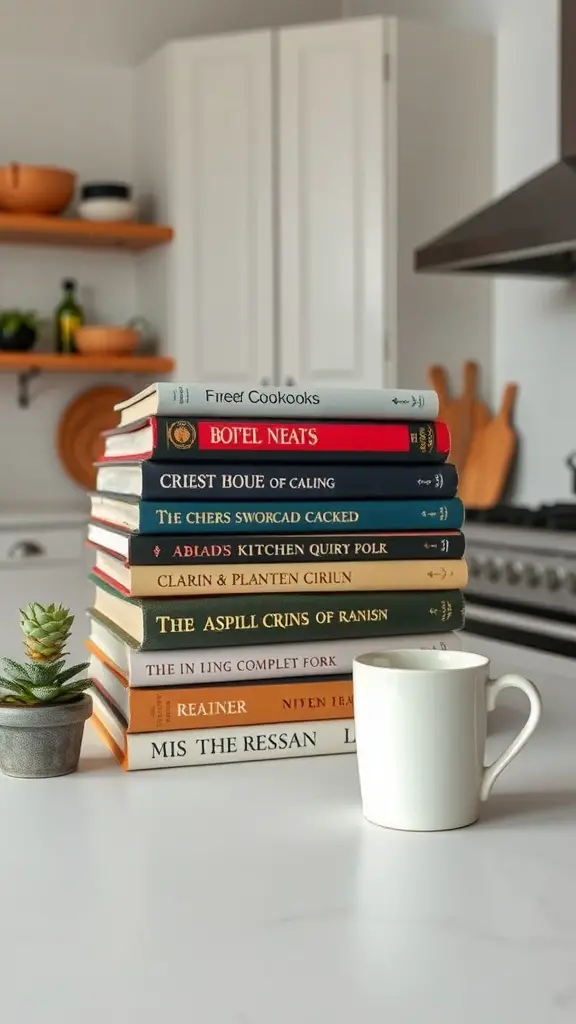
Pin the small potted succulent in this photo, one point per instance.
(18, 330)
(43, 706)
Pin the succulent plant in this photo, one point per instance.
(44, 678)
(46, 630)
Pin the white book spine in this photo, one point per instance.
(249, 743)
(271, 661)
(287, 403)
(217, 746)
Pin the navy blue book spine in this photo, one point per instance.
(166, 482)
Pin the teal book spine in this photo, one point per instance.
(299, 517)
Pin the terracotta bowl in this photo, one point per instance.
(36, 190)
(102, 340)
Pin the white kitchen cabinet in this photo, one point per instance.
(295, 167)
(332, 135)
(203, 145)
(223, 182)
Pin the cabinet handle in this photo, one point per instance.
(26, 549)
(290, 382)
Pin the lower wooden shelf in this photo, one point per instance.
(28, 365)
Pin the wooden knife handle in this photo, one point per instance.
(470, 378)
(508, 399)
(438, 381)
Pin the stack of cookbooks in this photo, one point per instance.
(247, 545)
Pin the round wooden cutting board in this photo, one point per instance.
(78, 439)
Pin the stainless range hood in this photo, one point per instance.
(532, 229)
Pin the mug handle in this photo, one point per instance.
(493, 690)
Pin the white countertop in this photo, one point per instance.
(257, 894)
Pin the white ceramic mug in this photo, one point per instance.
(420, 724)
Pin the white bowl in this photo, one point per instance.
(106, 208)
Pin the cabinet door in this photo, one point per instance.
(221, 91)
(331, 168)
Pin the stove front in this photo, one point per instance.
(522, 576)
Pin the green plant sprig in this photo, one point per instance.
(44, 678)
(11, 320)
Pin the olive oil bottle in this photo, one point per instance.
(69, 316)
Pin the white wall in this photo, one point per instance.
(123, 32)
(77, 117)
(442, 318)
(535, 321)
(484, 15)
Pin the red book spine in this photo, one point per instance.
(266, 436)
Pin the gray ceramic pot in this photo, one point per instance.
(43, 741)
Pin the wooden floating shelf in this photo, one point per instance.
(83, 234)
(30, 364)
(49, 362)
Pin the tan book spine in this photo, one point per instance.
(208, 707)
(156, 581)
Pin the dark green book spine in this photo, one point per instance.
(271, 618)
(184, 623)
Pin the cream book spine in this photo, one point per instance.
(236, 664)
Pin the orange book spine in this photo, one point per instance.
(205, 707)
(259, 704)
(120, 755)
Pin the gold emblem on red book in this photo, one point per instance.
(181, 434)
